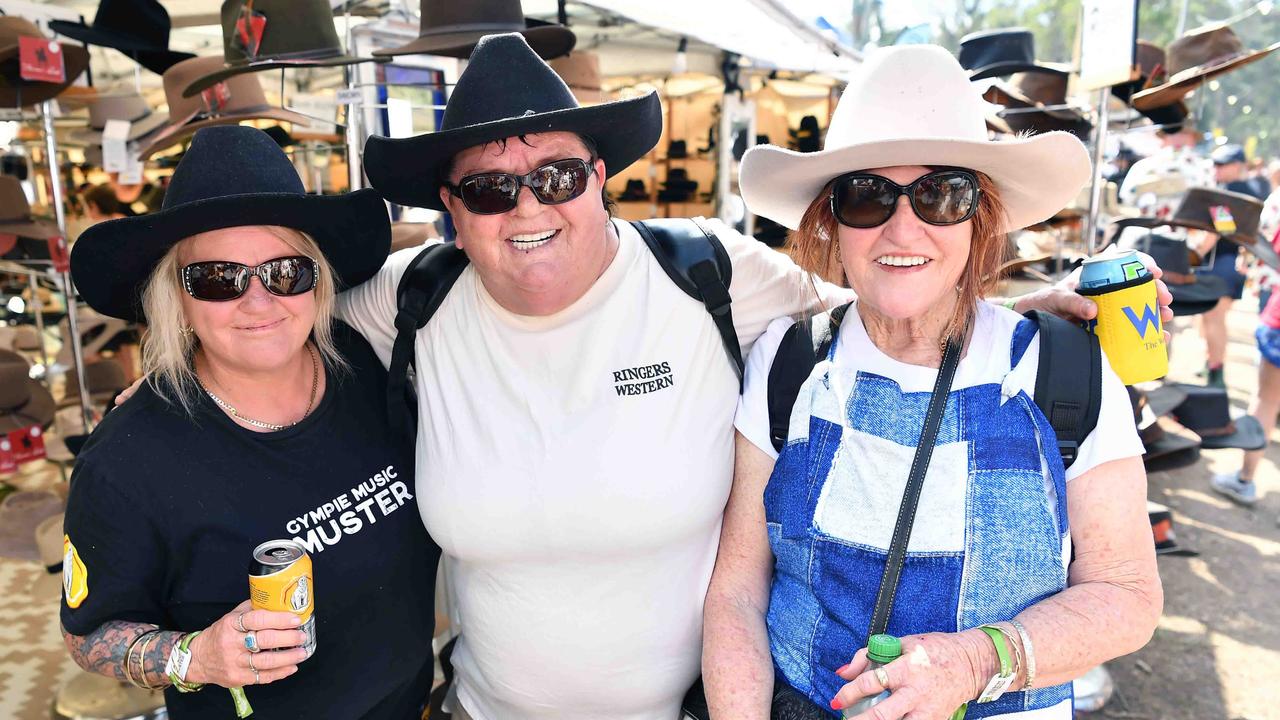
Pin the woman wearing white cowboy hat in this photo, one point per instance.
(913, 201)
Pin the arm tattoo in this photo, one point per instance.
(103, 650)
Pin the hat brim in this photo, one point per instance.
(548, 41)
(48, 586)
(1187, 80)
(147, 125)
(1037, 176)
(152, 57)
(207, 81)
(38, 410)
(40, 230)
(1170, 444)
(75, 60)
(1164, 398)
(407, 170)
(1257, 246)
(1009, 68)
(112, 260)
(1247, 436)
(178, 131)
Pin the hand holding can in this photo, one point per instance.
(1128, 324)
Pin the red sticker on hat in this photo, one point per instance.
(60, 254)
(216, 98)
(40, 60)
(249, 29)
(27, 444)
(7, 241)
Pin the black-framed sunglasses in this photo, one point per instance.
(552, 184)
(942, 197)
(220, 280)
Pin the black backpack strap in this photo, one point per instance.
(696, 261)
(422, 288)
(804, 344)
(1068, 381)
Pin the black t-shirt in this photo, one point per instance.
(165, 510)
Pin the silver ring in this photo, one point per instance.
(256, 680)
(240, 623)
(251, 644)
(251, 667)
(882, 676)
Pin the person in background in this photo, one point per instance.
(101, 203)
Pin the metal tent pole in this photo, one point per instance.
(39, 313)
(1099, 150)
(73, 322)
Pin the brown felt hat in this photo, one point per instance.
(1196, 211)
(1201, 54)
(131, 107)
(23, 401)
(453, 28)
(16, 92)
(237, 98)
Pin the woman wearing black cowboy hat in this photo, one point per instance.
(261, 420)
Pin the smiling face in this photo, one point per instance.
(534, 259)
(257, 331)
(905, 268)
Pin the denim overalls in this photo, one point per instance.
(989, 534)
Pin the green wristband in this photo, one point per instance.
(179, 661)
(1002, 680)
(1011, 303)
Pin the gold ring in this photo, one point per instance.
(882, 677)
(240, 623)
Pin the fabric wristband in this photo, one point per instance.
(1003, 679)
(180, 662)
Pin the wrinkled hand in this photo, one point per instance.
(937, 673)
(219, 655)
(1062, 300)
(128, 392)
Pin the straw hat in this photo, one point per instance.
(49, 544)
(914, 105)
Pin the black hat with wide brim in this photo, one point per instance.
(231, 176)
(507, 91)
(138, 28)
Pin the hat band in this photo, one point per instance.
(210, 115)
(1222, 431)
(314, 54)
(486, 28)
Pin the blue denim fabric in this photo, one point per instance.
(1006, 556)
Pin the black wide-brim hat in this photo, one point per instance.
(506, 91)
(138, 28)
(996, 53)
(548, 40)
(1206, 412)
(231, 176)
(1193, 293)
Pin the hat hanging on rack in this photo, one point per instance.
(130, 107)
(997, 53)
(1201, 54)
(137, 28)
(453, 28)
(262, 35)
(14, 90)
(1233, 216)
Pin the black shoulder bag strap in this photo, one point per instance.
(696, 261)
(1068, 381)
(911, 497)
(804, 345)
(422, 288)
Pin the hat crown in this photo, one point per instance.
(1047, 88)
(1202, 46)
(14, 389)
(579, 69)
(241, 91)
(1196, 206)
(1173, 256)
(505, 79)
(13, 27)
(132, 107)
(231, 160)
(144, 20)
(908, 92)
(296, 29)
(440, 16)
(1011, 45)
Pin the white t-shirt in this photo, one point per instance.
(574, 469)
(986, 361)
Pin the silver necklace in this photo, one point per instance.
(315, 383)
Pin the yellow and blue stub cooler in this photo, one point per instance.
(1128, 324)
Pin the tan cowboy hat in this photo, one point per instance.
(1201, 54)
(49, 544)
(914, 105)
(104, 378)
(16, 92)
(127, 106)
(229, 102)
(407, 235)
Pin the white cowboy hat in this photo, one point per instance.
(914, 105)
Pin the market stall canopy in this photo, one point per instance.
(766, 34)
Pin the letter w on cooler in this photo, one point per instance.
(1149, 317)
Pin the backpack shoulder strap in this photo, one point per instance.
(1068, 381)
(422, 288)
(804, 344)
(696, 261)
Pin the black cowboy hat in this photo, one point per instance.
(452, 29)
(1192, 293)
(1196, 210)
(507, 90)
(138, 28)
(994, 53)
(231, 176)
(1206, 412)
(262, 35)
(1151, 64)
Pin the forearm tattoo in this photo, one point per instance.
(103, 651)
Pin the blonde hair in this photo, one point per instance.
(815, 246)
(169, 346)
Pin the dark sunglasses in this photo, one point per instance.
(219, 280)
(552, 184)
(942, 197)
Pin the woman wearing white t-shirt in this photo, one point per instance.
(913, 201)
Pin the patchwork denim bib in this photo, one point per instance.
(989, 533)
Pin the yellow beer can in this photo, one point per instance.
(280, 580)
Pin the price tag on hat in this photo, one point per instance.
(40, 60)
(132, 172)
(1223, 222)
(27, 444)
(115, 145)
(349, 96)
